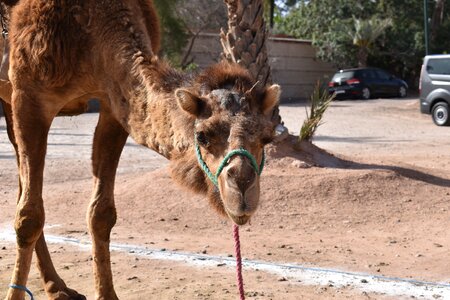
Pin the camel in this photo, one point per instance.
(63, 53)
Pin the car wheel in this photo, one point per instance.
(440, 114)
(365, 93)
(402, 92)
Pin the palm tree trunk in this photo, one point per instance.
(245, 41)
(362, 56)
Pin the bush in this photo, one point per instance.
(320, 100)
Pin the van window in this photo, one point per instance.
(439, 66)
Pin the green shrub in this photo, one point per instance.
(319, 102)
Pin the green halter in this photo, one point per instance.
(225, 161)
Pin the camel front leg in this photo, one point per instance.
(31, 128)
(109, 141)
(54, 286)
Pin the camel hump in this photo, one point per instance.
(9, 2)
(49, 41)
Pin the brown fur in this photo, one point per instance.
(10, 2)
(66, 52)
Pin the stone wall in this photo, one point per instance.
(294, 63)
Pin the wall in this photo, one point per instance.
(293, 62)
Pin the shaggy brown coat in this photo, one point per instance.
(63, 53)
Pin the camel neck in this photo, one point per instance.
(152, 116)
(140, 87)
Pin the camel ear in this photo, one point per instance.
(271, 98)
(189, 102)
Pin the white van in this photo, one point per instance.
(434, 88)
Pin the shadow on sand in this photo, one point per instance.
(316, 156)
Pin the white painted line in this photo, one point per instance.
(390, 286)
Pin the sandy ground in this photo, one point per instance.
(379, 207)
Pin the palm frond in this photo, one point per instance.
(319, 102)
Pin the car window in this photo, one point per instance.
(440, 66)
(361, 74)
(382, 75)
(343, 76)
(368, 74)
(373, 75)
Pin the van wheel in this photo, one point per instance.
(402, 92)
(440, 114)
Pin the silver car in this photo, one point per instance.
(434, 88)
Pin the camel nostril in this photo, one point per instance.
(240, 178)
(232, 172)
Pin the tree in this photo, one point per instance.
(183, 21)
(365, 34)
(439, 27)
(437, 19)
(199, 16)
(174, 37)
(245, 40)
(327, 23)
(399, 49)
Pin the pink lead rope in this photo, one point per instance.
(214, 180)
(237, 249)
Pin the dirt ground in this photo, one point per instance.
(379, 205)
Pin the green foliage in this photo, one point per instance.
(400, 47)
(403, 47)
(367, 31)
(266, 8)
(181, 21)
(327, 23)
(173, 33)
(191, 67)
(320, 100)
(441, 44)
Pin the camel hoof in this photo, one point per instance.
(67, 294)
(64, 296)
(78, 297)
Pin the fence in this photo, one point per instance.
(293, 62)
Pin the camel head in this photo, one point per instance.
(231, 112)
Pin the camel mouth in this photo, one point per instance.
(239, 220)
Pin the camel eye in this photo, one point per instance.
(202, 139)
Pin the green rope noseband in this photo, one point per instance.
(225, 161)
